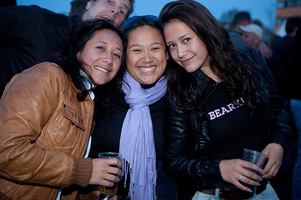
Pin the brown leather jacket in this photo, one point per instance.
(44, 131)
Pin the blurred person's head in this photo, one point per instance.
(242, 18)
(292, 25)
(112, 10)
(146, 52)
(252, 34)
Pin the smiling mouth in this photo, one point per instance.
(147, 69)
(186, 61)
(101, 69)
(103, 17)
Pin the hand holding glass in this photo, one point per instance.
(254, 157)
(109, 190)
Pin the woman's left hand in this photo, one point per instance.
(275, 155)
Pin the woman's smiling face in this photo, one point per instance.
(185, 47)
(101, 56)
(146, 54)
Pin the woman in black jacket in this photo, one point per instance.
(224, 101)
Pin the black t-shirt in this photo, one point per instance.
(230, 126)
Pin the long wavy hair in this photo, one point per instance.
(105, 95)
(231, 66)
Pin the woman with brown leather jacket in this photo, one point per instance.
(46, 115)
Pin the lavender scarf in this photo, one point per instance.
(137, 144)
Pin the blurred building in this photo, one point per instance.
(288, 8)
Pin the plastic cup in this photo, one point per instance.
(109, 190)
(255, 157)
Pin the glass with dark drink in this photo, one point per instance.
(109, 190)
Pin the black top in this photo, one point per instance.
(106, 137)
(230, 126)
(29, 35)
(106, 134)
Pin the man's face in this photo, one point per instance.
(251, 39)
(113, 10)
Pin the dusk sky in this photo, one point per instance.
(264, 10)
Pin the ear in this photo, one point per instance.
(78, 56)
(89, 4)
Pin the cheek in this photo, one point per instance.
(174, 54)
(132, 60)
(117, 66)
(86, 56)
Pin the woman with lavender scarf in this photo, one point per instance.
(135, 128)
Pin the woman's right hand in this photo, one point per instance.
(105, 171)
(237, 172)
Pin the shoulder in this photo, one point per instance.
(45, 73)
(46, 67)
(42, 80)
(31, 15)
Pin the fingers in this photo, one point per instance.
(238, 172)
(275, 155)
(106, 171)
(271, 169)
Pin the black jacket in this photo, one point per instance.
(188, 142)
(29, 35)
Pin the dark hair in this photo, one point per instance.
(78, 7)
(66, 57)
(132, 2)
(137, 21)
(240, 17)
(291, 24)
(228, 63)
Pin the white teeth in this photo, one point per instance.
(149, 69)
(107, 18)
(101, 69)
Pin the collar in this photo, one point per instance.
(87, 83)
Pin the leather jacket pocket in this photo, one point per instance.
(66, 128)
(74, 117)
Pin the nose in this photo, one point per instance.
(108, 58)
(147, 58)
(181, 51)
(115, 10)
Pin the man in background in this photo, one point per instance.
(30, 34)
(243, 18)
(240, 19)
(283, 51)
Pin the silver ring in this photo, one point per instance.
(241, 177)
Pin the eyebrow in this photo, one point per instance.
(181, 37)
(103, 42)
(125, 6)
(153, 43)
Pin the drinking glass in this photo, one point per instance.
(108, 191)
(255, 157)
